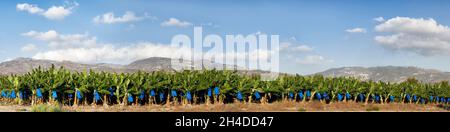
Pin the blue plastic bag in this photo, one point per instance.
(239, 95)
(188, 96)
(38, 93)
(437, 99)
(377, 98)
(209, 92)
(152, 93)
(70, 96)
(21, 95)
(339, 96)
(391, 98)
(111, 91)
(13, 94)
(291, 95)
(442, 100)
(414, 98)
(174, 93)
(79, 96)
(407, 97)
(348, 96)
(422, 100)
(4, 94)
(96, 96)
(308, 93)
(325, 96)
(216, 91)
(431, 98)
(361, 97)
(130, 98)
(257, 96)
(319, 97)
(142, 96)
(54, 95)
(161, 96)
(300, 94)
(181, 94)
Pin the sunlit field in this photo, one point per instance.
(238, 107)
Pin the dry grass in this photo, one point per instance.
(250, 107)
(273, 107)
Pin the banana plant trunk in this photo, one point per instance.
(264, 99)
(367, 98)
(105, 100)
(207, 101)
(312, 96)
(33, 97)
(332, 98)
(136, 101)
(304, 98)
(168, 99)
(75, 102)
(151, 100)
(345, 98)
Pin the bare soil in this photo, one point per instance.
(249, 107)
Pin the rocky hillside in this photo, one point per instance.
(388, 73)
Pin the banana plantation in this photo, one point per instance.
(58, 85)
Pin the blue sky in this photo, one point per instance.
(319, 34)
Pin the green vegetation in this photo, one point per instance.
(47, 108)
(60, 86)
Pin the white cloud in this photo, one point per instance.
(175, 22)
(84, 48)
(29, 48)
(294, 50)
(303, 48)
(356, 30)
(379, 19)
(292, 47)
(109, 53)
(314, 60)
(32, 9)
(423, 36)
(56, 40)
(52, 13)
(110, 18)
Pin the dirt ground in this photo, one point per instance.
(238, 107)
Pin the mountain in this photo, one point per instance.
(388, 73)
(24, 65)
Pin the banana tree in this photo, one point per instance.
(15, 88)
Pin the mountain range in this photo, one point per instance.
(24, 65)
(388, 73)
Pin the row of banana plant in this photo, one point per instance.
(58, 85)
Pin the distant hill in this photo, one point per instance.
(388, 73)
(24, 65)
